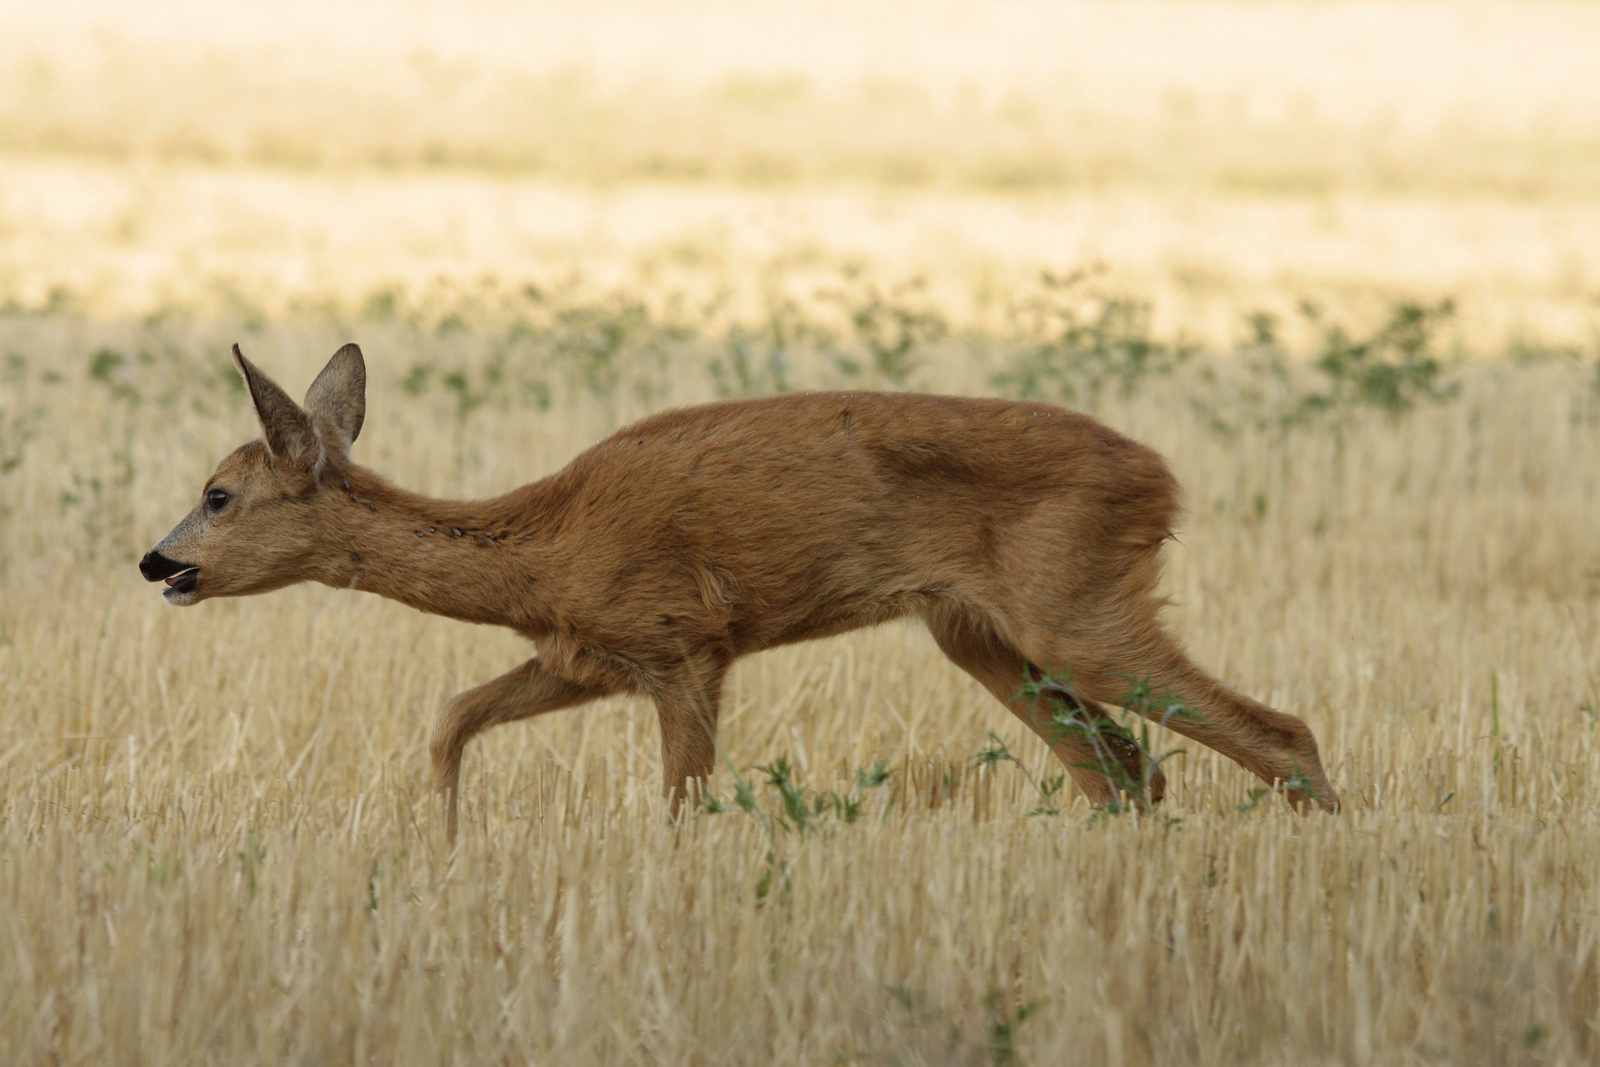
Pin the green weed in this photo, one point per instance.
(796, 813)
(755, 360)
(19, 421)
(888, 327)
(1115, 746)
(1391, 370)
(926, 1034)
(1076, 344)
(1297, 783)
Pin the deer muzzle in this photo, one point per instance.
(180, 577)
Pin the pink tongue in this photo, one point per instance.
(176, 578)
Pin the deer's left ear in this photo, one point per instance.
(287, 430)
(337, 400)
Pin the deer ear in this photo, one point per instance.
(288, 431)
(337, 400)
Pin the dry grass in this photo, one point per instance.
(217, 841)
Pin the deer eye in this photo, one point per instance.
(217, 499)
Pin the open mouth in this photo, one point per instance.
(181, 578)
(184, 581)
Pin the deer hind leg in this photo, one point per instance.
(1275, 747)
(687, 707)
(529, 690)
(972, 644)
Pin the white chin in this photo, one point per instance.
(183, 599)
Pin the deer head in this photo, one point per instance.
(255, 526)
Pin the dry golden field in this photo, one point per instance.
(218, 842)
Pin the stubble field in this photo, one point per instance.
(218, 842)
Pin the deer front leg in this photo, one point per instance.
(529, 690)
(688, 713)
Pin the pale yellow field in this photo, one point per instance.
(217, 838)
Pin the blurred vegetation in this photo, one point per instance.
(1390, 368)
(1075, 344)
(425, 112)
(1064, 339)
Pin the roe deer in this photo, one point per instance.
(1025, 536)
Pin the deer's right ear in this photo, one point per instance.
(337, 400)
(288, 431)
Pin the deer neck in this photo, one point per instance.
(478, 561)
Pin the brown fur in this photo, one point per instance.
(1025, 536)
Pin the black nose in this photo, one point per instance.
(155, 567)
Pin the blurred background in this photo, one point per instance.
(1212, 157)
